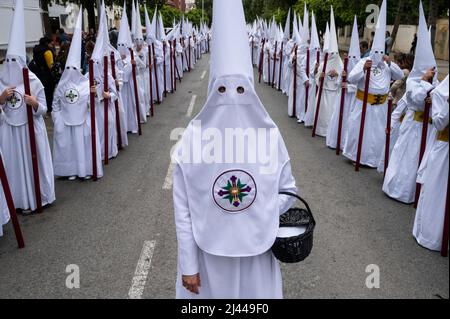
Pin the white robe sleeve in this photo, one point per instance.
(286, 184)
(396, 72)
(187, 247)
(439, 112)
(417, 93)
(397, 114)
(357, 74)
(42, 107)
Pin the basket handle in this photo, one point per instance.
(303, 201)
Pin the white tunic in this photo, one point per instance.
(433, 175)
(401, 175)
(256, 277)
(15, 145)
(376, 115)
(301, 79)
(72, 141)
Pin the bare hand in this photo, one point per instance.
(368, 65)
(428, 100)
(133, 62)
(192, 283)
(387, 59)
(429, 75)
(31, 101)
(93, 89)
(306, 84)
(7, 93)
(333, 73)
(344, 85)
(106, 95)
(322, 75)
(344, 73)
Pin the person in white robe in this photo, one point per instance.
(154, 38)
(433, 175)
(14, 134)
(224, 245)
(314, 49)
(354, 55)
(400, 178)
(288, 46)
(72, 139)
(101, 50)
(332, 82)
(383, 71)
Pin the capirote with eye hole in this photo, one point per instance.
(222, 89)
(240, 90)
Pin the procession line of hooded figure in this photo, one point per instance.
(82, 143)
(376, 139)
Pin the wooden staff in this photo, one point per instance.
(253, 50)
(307, 87)
(341, 110)
(294, 107)
(10, 203)
(269, 80)
(274, 63)
(116, 102)
(164, 69)
(261, 59)
(105, 108)
(182, 53)
(444, 249)
(33, 148)
(93, 122)
(363, 121)
(423, 143)
(136, 92)
(319, 98)
(189, 48)
(155, 67)
(318, 63)
(171, 67)
(281, 66)
(388, 135)
(150, 66)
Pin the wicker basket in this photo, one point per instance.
(295, 249)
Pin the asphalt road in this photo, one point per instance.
(102, 227)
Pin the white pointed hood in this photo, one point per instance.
(354, 52)
(244, 224)
(326, 39)
(148, 27)
(334, 47)
(161, 34)
(16, 44)
(424, 59)
(287, 28)
(124, 41)
(305, 32)
(230, 51)
(138, 37)
(133, 20)
(74, 56)
(379, 42)
(102, 43)
(295, 33)
(315, 42)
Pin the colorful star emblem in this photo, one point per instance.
(234, 191)
(71, 96)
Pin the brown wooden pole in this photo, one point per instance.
(150, 67)
(318, 63)
(106, 109)
(261, 59)
(10, 203)
(319, 98)
(164, 69)
(116, 102)
(294, 107)
(33, 148)
(155, 67)
(444, 249)
(281, 66)
(307, 74)
(363, 121)
(387, 148)
(341, 110)
(423, 142)
(93, 122)
(136, 93)
(274, 63)
(171, 67)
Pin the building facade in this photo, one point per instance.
(179, 4)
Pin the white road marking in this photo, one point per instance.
(191, 106)
(168, 181)
(142, 268)
(203, 75)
